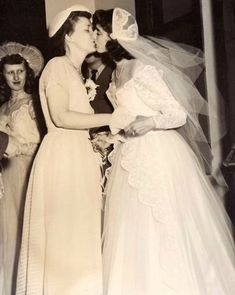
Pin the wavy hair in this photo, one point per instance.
(5, 90)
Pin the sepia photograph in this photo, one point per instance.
(117, 147)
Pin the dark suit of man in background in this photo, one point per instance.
(99, 68)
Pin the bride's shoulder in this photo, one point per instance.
(130, 69)
(133, 66)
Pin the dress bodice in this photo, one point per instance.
(145, 93)
(18, 119)
(60, 72)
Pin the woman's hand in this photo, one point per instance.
(12, 148)
(140, 126)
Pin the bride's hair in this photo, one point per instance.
(104, 19)
(57, 42)
(15, 59)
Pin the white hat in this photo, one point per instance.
(30, 53)
(61, 17)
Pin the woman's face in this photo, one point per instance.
(83, 35)
(102, 37)
(15, 76)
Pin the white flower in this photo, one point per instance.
(91, 89)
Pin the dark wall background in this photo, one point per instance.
(23, 21)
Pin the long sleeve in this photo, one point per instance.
(154, 92)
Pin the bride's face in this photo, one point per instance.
(102, 37)
(82, 36)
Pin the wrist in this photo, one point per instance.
(155, 120)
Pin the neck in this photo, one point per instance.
(17, 93)
(75, 56)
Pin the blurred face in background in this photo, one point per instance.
(15, 76)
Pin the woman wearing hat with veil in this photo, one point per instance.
(61, 243)
(19, 67)
(165, 229)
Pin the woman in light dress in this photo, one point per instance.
(165, 230)
(18, 67)
(61, 243)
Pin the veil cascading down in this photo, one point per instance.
(181, 65)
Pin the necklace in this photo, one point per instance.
(78, 69)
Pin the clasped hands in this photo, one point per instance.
(140, 126)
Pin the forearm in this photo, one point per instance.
(170, 120)
(76, 120)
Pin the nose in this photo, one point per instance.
(93, 35)
(16, 76)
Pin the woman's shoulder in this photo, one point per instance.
(56, 62)
(54, 69)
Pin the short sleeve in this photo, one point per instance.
(54, 74)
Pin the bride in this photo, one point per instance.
(165, 230)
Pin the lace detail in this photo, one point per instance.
(27, 149)
(111, 91)
(138, 159)
(153, 91)
(124, 25)
(18, 120)
(148, 89)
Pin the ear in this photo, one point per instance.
(68, 38)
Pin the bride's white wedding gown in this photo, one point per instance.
(165, 231)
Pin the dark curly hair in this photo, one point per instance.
(5, 90)
(104, 19)
(57, 42)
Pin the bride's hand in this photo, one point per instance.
(140, 126)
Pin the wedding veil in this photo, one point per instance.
(181, 65)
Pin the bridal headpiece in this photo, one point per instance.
(124, 25)
(30, 53)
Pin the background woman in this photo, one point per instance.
(61, 247)
(19, 66)
(165, 230)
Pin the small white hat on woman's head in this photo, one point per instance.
(61, 17)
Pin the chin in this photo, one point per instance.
(100, 50)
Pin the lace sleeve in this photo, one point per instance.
(154, 92)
